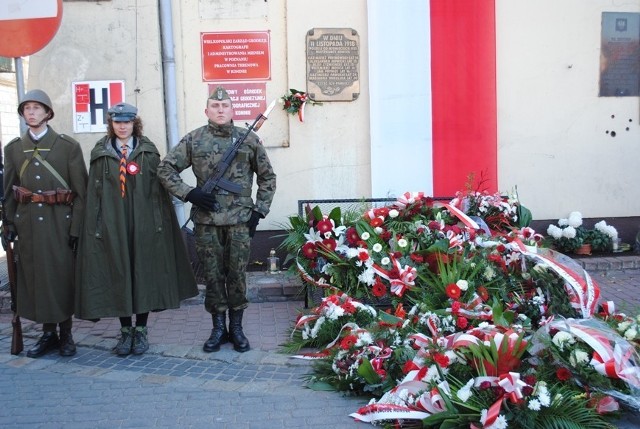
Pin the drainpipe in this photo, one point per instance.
(20, 89)
(169, 77)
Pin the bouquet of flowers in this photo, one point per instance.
(569, 234)
(476, 331)
(294, 102)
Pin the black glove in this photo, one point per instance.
(202, 199)
(73, 243)
(8, 236)
(253, 222)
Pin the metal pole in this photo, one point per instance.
(20, 90)
(169, 69)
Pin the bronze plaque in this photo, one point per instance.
(333, 64)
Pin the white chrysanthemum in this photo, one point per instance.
(367, 277)
(377, 247)
(402, 243)
(554, 231)
(624, 325)
(465, 392)
(582, 357)
(365, 235)
(575, 219)
(563, 338)
(630, 334)
(334, 312)
(534, 405)
(489, 273)
(463, 285)
(569, 232)
(393, 213)
(563, 222)
(364, 339)
(385, 261)
(316, 327)
(500, 423)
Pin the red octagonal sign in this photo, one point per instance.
(27, 26)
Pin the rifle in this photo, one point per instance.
(216, 180)
(17, 344)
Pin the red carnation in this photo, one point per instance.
(441, 360)
(453, 291)
(310, 250)
(462, 322)
(324, 226)
(563, 374)
(348, 307)
(379, 289)
(329, 244)
(483, 293)
(347, 342)
(455, 307)
(352, 236)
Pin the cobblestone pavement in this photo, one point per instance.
(175, 384)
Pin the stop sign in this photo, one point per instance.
(27, 27)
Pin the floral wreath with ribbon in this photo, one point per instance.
(295, 101)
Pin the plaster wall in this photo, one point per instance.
(552, 125)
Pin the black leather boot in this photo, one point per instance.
(240, 342)
(48, 341)
(219, 334)
(67, 346)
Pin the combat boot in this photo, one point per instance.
(140, 340)
(48, 341)
(240, 342)
(67, 346)
(125, 342)
(219, 333)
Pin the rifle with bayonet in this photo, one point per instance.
(17, 344)
(216, 180)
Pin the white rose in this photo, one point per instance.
(463, 285)
(393, 213)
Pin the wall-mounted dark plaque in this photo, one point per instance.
(333, 64)
(620, 56)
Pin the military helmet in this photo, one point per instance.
(123, 112)
(219, 94)
(39, 96)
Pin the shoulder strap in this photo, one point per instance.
(36, 155)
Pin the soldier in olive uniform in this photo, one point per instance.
(225, 221)
(45, 181)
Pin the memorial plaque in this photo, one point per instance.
(620, 55)
(333, 64)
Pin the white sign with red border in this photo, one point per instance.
(91, 100)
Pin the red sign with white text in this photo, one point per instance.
(242, 55)
(249, 99)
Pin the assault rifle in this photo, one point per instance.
(216, 180)
(17, 344)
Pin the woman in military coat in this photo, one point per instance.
(132, 258)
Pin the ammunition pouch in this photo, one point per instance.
(59, 196)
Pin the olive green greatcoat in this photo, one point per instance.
(45, 260)
(131, 258)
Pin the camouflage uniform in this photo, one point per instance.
(222, 237)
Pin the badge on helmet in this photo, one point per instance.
(122, 112)
(219, 94)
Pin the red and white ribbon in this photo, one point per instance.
(400, 282)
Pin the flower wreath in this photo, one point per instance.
(294, 102)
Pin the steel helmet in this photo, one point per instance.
(39, 96)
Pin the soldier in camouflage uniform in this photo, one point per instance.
(224, 222)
